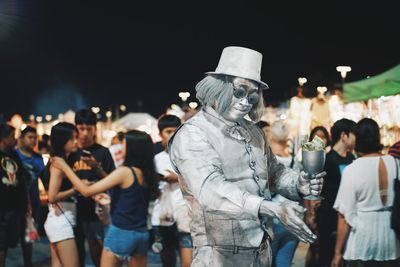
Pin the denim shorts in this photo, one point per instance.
(185, 240)
(125, 243)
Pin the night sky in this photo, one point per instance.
(57, 55)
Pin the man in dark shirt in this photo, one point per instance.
(92, 162)
(343, 140)
(13, 196)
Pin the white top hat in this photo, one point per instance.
(241, 62)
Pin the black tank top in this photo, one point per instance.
(129, 206)
(65, 185)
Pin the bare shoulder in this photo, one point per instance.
(122, 170)
(123, 173)
(126, 171)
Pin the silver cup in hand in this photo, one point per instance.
(313, 163)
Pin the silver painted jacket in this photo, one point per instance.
(226, 170)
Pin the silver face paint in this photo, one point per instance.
(240, 107)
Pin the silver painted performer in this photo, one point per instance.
(227, 170)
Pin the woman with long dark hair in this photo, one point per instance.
(133, 185)
(364, 202)
(60, 222)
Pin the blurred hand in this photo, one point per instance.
(91, 161)
(172, 177)
(313, 186)
(59, 163)
(102, 199)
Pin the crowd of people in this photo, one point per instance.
(218, 190)
(352, 221)
(88, 198)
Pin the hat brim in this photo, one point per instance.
(264, 86)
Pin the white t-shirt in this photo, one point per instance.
(116, 153)
(358, 199)
(171, 200)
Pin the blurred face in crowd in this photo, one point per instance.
(115, 140)
(244, 97)
(166, 134)
(300, 92)
(349, 140)
(28, 141)
(86, 135)
(72, 144)
(9, 141)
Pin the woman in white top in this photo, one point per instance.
(364, 204)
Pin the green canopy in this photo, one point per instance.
(384, 84)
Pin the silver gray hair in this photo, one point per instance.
(216, 91)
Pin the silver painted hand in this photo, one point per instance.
(313, 186)
(290, 214)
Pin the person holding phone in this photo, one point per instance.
(86, 153)
(92, 162)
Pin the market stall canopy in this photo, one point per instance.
(68, 116)
(135, 121)
(139, 121)
(384, 84)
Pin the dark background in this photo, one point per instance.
(56, 55)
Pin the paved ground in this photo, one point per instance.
(41, 256)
